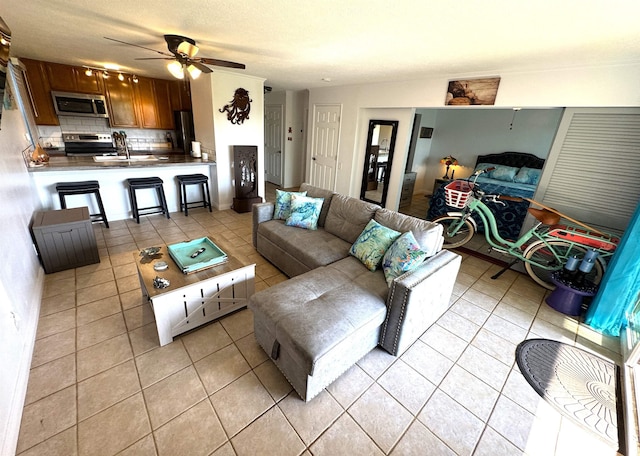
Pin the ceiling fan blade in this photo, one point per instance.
(154, 58)
(200, 66)
(136, 45)
(222, 63)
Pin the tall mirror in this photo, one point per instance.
(381, 141)
(5, 43)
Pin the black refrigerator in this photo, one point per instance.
(184, 130)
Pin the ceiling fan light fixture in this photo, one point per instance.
(175, 68)
(194, 72)
(188, 49)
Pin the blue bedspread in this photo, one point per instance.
(509, 218)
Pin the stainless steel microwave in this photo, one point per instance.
(79, 104)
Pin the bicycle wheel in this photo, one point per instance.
(463, 235)
(541, 254)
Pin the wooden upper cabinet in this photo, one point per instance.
(66, 78)
(180, 95)
(154, 99)
(39, 93)
(163, 103)
(147, 103)
(122, 101)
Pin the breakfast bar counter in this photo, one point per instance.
(89, 164)
(112, 176)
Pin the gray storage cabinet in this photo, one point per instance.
(64, 239)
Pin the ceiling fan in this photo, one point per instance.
(183, 52)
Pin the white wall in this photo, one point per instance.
(209, 94)
(21, 278)
(467, 133)
(594, 86)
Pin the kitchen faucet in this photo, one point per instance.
(121, 143)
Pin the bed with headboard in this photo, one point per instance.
(515, 174)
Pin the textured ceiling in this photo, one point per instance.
(295, 44)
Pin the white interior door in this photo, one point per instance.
(273, 144)
(324, 152)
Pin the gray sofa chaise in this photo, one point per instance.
(334, 310)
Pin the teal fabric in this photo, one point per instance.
(373, 243)
(483, 166)
(283, 204)
(620, 286)
(305, 212)
(403, 255)
(528, 176)
(504, 173)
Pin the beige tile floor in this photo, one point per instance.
(100, 384)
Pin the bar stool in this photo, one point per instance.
(193, 179)
(81, 188)
(147, 183)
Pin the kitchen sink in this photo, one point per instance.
(121, 158)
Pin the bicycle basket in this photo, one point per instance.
(458, 193)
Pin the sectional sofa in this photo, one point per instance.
(335, 308)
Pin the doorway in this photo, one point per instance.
(324, 149)
(381, 140)
(273, 144)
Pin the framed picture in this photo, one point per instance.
(480, 91)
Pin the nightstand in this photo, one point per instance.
(437, 183)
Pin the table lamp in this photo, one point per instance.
(449, 161)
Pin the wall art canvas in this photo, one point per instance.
(480, 91)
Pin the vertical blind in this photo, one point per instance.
(595, 166)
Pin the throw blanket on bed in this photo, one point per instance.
(509, 218)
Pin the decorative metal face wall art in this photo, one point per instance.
(238, 109)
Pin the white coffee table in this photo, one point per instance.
(194, 299)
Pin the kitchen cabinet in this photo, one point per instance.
(149, 103)
(181, 95)
(68, 78)
(39, 93)
(163, 89)
(121, 98)
(154, 101)
(146, 103)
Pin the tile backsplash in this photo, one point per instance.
(139, 139)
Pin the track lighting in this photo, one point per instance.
(105, 74)
(120, 76)
(88, 72)
(134, 79)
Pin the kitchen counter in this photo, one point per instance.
(88, 163)
(112, 177)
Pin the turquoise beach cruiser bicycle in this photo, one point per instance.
(544, 249)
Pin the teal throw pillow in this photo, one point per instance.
(403, 255)
(372, 244)
(528, 176)
(283, 204)
(504, 173)
(305, 212)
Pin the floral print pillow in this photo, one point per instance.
(283, 204)
(372, 244)
(305, 212)
(403, 255)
